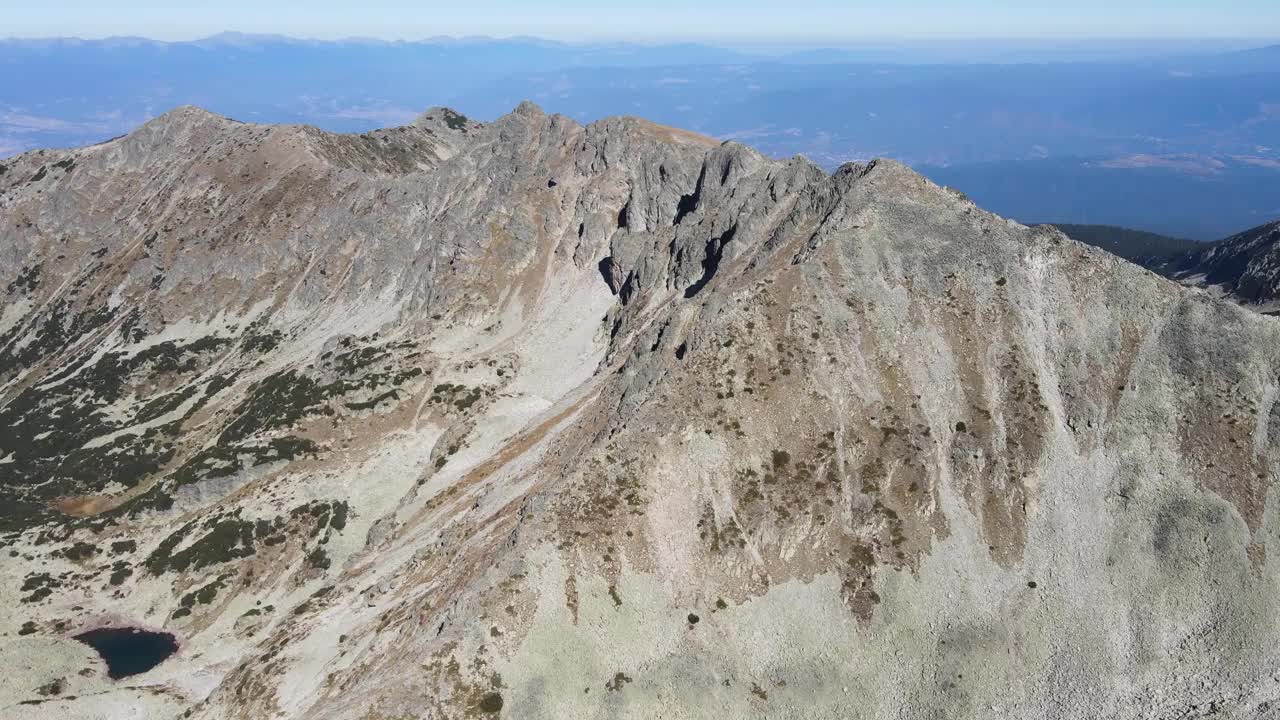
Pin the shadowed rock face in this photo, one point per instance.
(1244, 267)
(531, 419)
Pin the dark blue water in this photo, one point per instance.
(129, 651)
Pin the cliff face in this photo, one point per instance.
(533, 419)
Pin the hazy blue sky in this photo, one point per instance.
(823, 20)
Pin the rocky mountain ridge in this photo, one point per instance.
(532, 419)
(1244, 267)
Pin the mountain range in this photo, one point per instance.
(536, 419)
(1174, 138)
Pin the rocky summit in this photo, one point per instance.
(529, 419)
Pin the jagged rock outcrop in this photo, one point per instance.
(531, 419)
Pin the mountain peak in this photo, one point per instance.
(179, 125)
(186, 115)
(528, 108)
(628, 124)
(445, 119)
